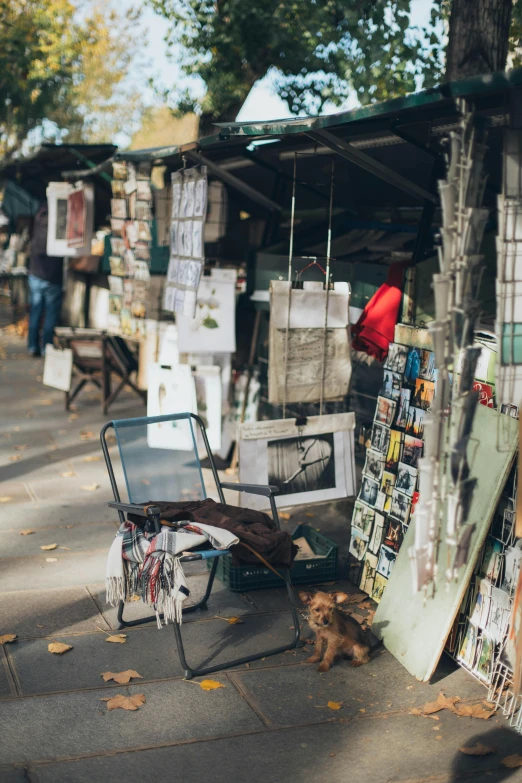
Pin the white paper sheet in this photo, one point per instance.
(213, 329)
(58, 368)
(170, 391)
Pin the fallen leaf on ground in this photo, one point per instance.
(5, 498)
(58, 648)
(362, 709)
(15, 458)
(86, 435)
(309, 514)
(334, 705)
(62, 432)
(135, 598)
(284, 515)
(365, 605)
(68, 548)
(209, 685)
(93, 458)
(121, 677)
(73, 417)
(360, 619)
(512, 761)
(48, 547)
(90, 487)
(40, 626)
(44, 402)
(7, 638)
(27, 532)
(125, 702)
(22, 447)
(120, 638)
(453, 704)
(68, 474)
(51, 559)
(478, 749)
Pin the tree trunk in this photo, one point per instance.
(478, 37)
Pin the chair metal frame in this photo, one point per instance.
(152, 516)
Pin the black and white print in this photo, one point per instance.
(301, 464)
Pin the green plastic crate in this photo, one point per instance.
(252, 577)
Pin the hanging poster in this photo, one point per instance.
(213, 329)
(189, 207)
(57, 197)
(308, 463)
(301, 351)
(170, 391)
(80, 217)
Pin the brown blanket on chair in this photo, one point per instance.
(251, 527)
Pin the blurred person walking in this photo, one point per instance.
(45, 287)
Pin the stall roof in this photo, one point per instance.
(49, 160)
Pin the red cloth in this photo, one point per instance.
(374, 331)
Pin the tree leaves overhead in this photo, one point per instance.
(64, 68)
(317, 51)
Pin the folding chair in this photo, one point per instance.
(152, 471)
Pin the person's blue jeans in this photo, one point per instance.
(43, 296)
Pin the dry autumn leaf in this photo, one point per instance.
(15, 458)
(22, 447)
(27, 532)
(7, 638)
(453, 704)
(121, 677)
(44, 402)
(90, 487)
(135, 598)
(120, 638)
(284, 515)
(73, 417)
(334, 705)
(209, 685)
(58, 648)
(93, 458)
(478, 749)
(125, 702)
(68, 474)
(512, 761)
(51, 559)
(48, 547)
(86, 435)
(5, 498)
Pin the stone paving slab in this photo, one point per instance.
(68, 570)
(149, 651)
(5, 689)
(33, 516)
(17, 491)
(382, 685)
(61, 610)
(78, 723)
(363, 751)
(221, 602)
(79, 538)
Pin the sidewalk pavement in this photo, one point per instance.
(269, 722)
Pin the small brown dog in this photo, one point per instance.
(336, 634)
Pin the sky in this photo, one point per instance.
(263, 104)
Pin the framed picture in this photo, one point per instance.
(310, 462)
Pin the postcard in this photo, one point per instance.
(393, 454)
(369, 490)
(386, 562)
(380, 438)
(412, 450)
(415, 423)
(424, 394)
(119, 208)
(406, 479)
(397, 357)
(391, 385)
(379, 587)
(484, 666)
(466, 653)
(385, 411)
(368, 573)
(394, 535)
(402, 411)
(427, 369)
(358, 544)
(377, 534)
(400, 506)
(387, 484)
(374, 464)
(413, 362)
(363, 518)
(117, 266)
